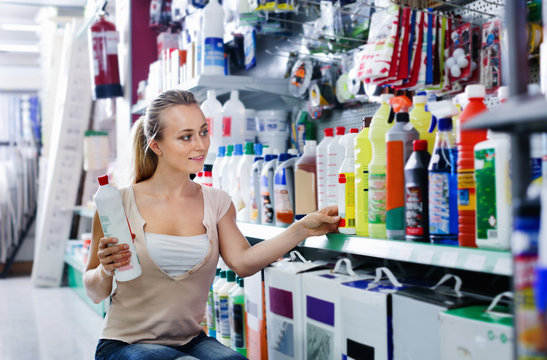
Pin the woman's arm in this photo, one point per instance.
(246, 260)
(101, 263)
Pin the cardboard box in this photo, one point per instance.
(477, 332)
(284, 307)
(255, 308)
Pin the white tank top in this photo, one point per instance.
(176, 255)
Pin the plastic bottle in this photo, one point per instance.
(305, 186)
(213, 39)
(346, 185)
(114, 223)
(256, 169)
(238, 319)
(443, 181)
(335, 156)
(467, 139)
(380, 124)
(305, 130)
(363, 154)
(398, 149)
(232, 174)
(284, 190)
(267, 189)
(212, 110)
(217, 285)
(217, 167)
(211, 318)
(417, 193)
(233, 120)
(199, 177)
(225, 169)
(244, 182)
(322, 167)
(250, 126)
(207, 174)
(421, 119)
(223, 306)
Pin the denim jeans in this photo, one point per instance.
(201, 347)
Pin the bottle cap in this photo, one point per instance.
(386, 97)
(103, 180)
(503, 93)
(340, 130)
(419, 145)
(402, 117)
(258, 158)
(229, 150)
(230, 276)
(270, 157)
(445, 124)
(293, 152)
(329, 132)
(234, 94)
(223, 274)
(207, 167)
(419, 99)
(284, 156)
(238, 149)
(353, 131)
(221, 151)
(218, 272)
(258, 149)
(310, 146)
(475, 91)
(211, 94)
(249, 148)
(241, 282)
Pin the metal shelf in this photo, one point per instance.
(471, 259)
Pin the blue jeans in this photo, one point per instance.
(201, 347)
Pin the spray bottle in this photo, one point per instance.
(346, 185)
(255, 183)
(322, 167)
(284, 190)
(267, 189)
(443, 203)
(380, 124)
(305, 181)
(335, 156)
(421, 119)
(362, 155)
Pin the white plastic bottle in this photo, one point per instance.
(225, 169)
(244, 182)
(322, 167)
(346, 185)
(216, 301)
(213, 39)
(233, 189)
(217, 167)
(250, 126)
(335, 155)
(223, 293)
(305, 184)
(267, 189)
(212, 110)
(108, 201)
(256, 200)
(284, 190)
(233, 120)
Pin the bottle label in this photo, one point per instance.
(254, 201)
(485, 174)
(466, 190)
(439, 204)
(237, 326)
(226, 126)
(377, 199)
(214, 52)
(217, 315)
(283, 207)
(267, 206)
(415, 217)
(210, 123)
(346, 199)
(361, 200)
(211, 321)
(224, 317)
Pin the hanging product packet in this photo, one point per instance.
(439, 71)
(411, 48)
(446, 84)
(407, 32)
(431, 40)
(459, 60)
(490, 68)
(423, 63)
(416, 50)
(399, 64)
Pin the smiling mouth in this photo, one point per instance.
(198, 158)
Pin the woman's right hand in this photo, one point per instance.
(112, 257)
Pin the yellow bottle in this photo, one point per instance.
(379, 125)
(363, 154)
(421, 120)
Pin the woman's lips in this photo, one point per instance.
(198, 158)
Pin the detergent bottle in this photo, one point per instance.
(225, 169)
(217, 285)
(211, 318)
(217, 167)
(467, 139)
(346, 185)
(225, 335)
(212, 110)
(233, 189)
(255, 183)
(233, 120)
(421, 119)
(322, 167)
(417, 193)
(284, 190)
(267, 189)
(380, 124)
(362, 155)
(244, 182)
(335, 156)
(443, 181)
(238, 323)
(305, 186)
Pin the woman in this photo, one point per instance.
(180, 230)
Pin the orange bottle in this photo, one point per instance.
(466, 140)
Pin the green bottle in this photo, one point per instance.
(238, 320)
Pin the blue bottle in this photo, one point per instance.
(443, 179)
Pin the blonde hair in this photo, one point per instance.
(150, 127)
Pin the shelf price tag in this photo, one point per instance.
(475, 262)
(503, 266)
(448, 259)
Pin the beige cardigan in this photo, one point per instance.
(155, 307)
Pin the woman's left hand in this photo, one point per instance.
(321, 222)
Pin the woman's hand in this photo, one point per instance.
(112, 257)
(321, 222)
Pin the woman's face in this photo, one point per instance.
(185, 139)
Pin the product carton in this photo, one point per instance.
(284, 307)
(477, 332)
(416, 318)
(255, 308)
(366, 319)
(323, 311)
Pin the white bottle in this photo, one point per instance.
(108, 201)
(322, 168)
(256, 199)
(217, 167)
(284, 190)
(216, 301)
(250, 126)
(244, 182)
(493, 215)
(346, 185)
(233, 189)
(223, 293)
(335, 155)
(213, 39)
(212, 110)
(225, 169)
(267, 215)
(233, 120)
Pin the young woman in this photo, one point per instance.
(180, 229)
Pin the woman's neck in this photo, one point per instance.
(169, 185)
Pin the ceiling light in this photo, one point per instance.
(20, 27)
(19, 48)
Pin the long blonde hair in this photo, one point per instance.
(150, 127)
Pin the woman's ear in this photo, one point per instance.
(154, 146)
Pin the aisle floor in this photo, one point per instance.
(45, 323)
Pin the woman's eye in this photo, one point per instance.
(204, 132)
(185, 138)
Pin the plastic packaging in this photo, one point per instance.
(256, 169)
(217, 285)
(244, 182)
(305, 185)
(284, 190)
(363, 154)
(417, 193)
(267, 189)
(421, 119)
(233, 120)
(211, 316)
(273, 129)
(238, 319)
(305, 130)
(225, 169)
(346, 185)
(213, 39)
(217, 167)
(379, 125)
(335, 156)
(212, 110)
(467, 139)
(225, 335)
(322, 167)
(114, 223)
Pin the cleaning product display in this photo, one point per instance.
(217, 167)
(217, 285)
(346, 185)
(225, 170)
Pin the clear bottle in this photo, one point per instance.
(305, 186)
(346, 185)
(233, 120)
(335, 155)
(363, 154)
(417, 193)
(322, 167)
(223, 292)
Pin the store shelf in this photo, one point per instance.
(521, 114)
(261, 93)
(479, 260)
